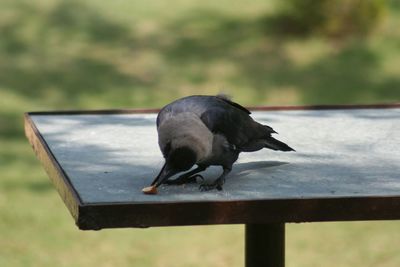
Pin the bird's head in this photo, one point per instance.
(184, 141)
(178, 160)
(181, 159)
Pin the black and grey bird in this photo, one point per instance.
(204, 131)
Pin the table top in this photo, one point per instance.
(347, 167)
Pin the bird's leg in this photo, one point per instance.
(186, 178)
(217, 184)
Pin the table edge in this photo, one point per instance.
(98, 216)
(57, 175)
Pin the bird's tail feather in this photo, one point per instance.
(274, 144)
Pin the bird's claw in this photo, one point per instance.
(208, 187)
(198, 176)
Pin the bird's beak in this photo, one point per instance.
(165, 173)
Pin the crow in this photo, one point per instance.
(204, 131)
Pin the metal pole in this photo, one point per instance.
(265, 245)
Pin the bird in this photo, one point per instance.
(206, 130)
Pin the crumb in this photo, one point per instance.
(150, 190)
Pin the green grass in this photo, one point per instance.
(127, 54)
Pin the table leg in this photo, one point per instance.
(265, 245)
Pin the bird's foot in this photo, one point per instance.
(184, 180)
(215, 185)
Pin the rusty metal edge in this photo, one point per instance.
(254, 108)
(142, 215)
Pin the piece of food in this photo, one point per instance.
(150, 190)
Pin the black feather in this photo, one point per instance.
(274, 144)
(234, 104)
(181, 159)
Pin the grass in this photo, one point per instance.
(97, 54)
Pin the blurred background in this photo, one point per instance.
(137, 54)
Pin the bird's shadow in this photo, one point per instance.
(244, 169)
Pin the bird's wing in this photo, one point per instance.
(233, 104)
(232, 122)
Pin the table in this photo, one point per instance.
(346, 168)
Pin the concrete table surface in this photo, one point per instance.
(347, 167)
